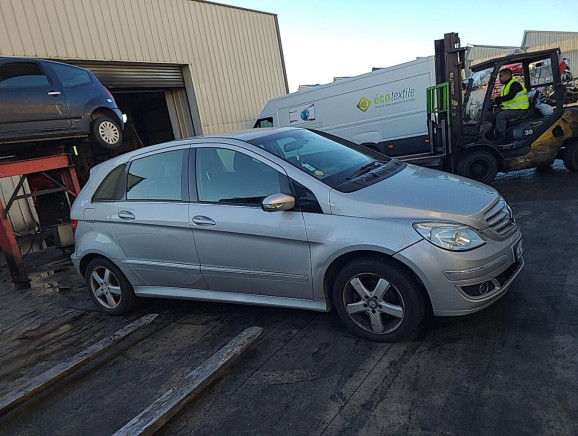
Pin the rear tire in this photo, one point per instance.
(570, 156)
(109, 289)
(378, 301)
(106, 132)
(480, 165)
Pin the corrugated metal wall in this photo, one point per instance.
(566, 41)
(22, 215)
(533, 38)
(481, 53)
(233, 54)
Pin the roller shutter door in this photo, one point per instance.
(134, 75)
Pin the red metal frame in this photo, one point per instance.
(9, 168)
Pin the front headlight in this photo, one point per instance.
(455, 237)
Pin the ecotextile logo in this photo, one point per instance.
(363, 104)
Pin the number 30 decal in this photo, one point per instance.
(528, 132)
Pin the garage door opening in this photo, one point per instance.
(149, 122)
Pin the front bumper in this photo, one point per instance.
(459, 283)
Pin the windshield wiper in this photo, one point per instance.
(365, 169)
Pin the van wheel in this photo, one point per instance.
(109, 289)
(479, 165)
(106, 132)
(570, 156)
(378, 301)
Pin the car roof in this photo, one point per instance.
(240, 135)
(50, 61)
(248, 134)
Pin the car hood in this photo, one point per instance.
(420, 193)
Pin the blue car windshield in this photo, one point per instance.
(333, 160)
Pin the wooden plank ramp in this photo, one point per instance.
(150, 420)
(53, 375)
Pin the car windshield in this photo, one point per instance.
(333, 160)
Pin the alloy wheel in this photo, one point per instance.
(373, 303)
(105, 287)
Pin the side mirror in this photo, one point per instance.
(278, 202)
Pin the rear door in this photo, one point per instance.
(30, 100)
(242, 248)
(82, 94)
(151, 222)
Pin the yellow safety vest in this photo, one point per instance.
(520, 100)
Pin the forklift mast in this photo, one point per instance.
(449, 63)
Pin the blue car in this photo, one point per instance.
(44, 100)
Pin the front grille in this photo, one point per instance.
(500, 218)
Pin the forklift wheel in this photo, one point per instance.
(571, 156)
(479, 165)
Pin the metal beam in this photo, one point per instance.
(33, 165)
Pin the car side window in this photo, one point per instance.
(19, 74)
(70, 76)
(264, 122)
(157, 177)
(108, 189)
(231, 177)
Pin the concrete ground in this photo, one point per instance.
(510, 369)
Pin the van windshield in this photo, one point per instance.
(335, 161)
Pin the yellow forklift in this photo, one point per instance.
(459, 114)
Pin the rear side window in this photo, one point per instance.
(19, 74)
(157, 177)
(71, 76)
(108, 189)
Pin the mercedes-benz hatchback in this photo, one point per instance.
(298, 219)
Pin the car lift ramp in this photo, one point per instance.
(9, 167)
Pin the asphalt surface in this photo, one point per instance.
(510, 369)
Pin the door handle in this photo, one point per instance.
(126, 215)
(55, 93)
(203, 221)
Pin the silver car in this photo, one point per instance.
(293, 218)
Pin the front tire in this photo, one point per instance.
(108, 287)
(106, 132)
(480, 165)
(378, 301)
(570, 156)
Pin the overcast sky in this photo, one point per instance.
(323, 39)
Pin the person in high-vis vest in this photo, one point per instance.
(513, 103)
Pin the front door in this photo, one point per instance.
(30, 101)
(241, 247)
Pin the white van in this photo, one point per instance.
(384, 109)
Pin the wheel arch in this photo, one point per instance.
(103, 111)
(342, 260)
(86, 259)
